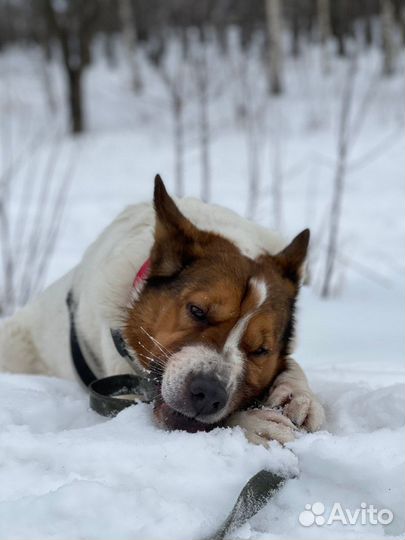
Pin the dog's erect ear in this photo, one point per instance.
(175, 235)
(291, 259)
(168, 215)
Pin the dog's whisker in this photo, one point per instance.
(147, 357)
(155, 362)
(158, 366)
(146, 349)
(152, 357)
(164, 353)
(151, 352)
(162, 348)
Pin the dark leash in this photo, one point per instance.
(106, 398)
(105, 392)
(254, 496)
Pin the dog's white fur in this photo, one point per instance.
(36, 339)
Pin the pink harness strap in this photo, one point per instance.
(143, 273)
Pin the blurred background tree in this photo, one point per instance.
(72, 26)
(200, 70)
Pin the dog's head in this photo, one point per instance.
(212, 325)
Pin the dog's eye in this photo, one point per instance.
(261, 351)
(197, 313)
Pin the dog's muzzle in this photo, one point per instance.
(207, 395)
(200, 383)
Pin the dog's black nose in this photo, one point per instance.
(208, 395)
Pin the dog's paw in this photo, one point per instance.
(301, 407)
(263, 425)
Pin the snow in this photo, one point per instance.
(67, 473)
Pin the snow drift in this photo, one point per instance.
(68, 473)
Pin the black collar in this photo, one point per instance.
(83, 369)
(121, 347)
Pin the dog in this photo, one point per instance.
(192, 295)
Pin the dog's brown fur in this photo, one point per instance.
(190, 267)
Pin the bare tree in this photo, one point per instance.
(250, 86)
(340, 25)
(402, 22)
(128, 23)
(44, 234)
(47, 84)
(368, 25)
(339, 179)
(274, 30)
(388, 43)
(42, 32)
(7, 296)
(170, 66)
(295, 9)
(276, 176)
(7, 154)
(178, 104)
(27, 244)
(73, 25)
(253, 153)
(202, 81)
(323, 9)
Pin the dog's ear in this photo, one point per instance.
(291, 259)
(175, 235)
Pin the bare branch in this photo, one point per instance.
(338, 184)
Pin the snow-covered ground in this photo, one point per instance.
(67, 473)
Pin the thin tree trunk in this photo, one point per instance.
(47, 83)
(253, 171)
(338, 183)
(276, 187)
(6, 246)
(274, 29)
(7, 260)
(202, 79)
(387, 29)
(205, 154)
(340, 28)
(323, 8)
(402, 16)
(295, 30)
(108, 23)
(128, 23)
(74, 30)
(178, 145)
(109, 49)
(75, 100)
(338, 187)
(368, 30)
(341, 45)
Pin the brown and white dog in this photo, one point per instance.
(210, 316)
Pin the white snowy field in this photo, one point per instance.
(66, 472)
